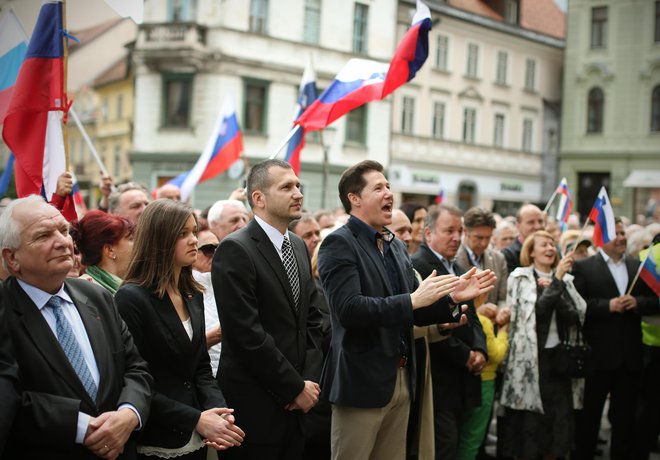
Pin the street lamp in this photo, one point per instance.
(325, 134)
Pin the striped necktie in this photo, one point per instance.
(291, 268)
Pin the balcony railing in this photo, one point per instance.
(180, 33)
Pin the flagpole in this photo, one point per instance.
(88, 141)
(65, 102)
(286, 140)
(639, 270)
(584, 227)
(324, 182)
(547, 206)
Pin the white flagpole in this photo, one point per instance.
(286, 140)
(88, 141)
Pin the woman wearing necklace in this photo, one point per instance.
(546, 309)
(162, 306)
(105, 242)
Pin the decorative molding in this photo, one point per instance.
(597, 67)
(470, 93)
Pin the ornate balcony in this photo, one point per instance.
(172, 46)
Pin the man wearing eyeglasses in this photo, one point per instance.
(207, 243)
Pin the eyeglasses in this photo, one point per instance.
(208, 249)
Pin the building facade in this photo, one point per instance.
(611, 119)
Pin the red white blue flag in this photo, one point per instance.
(223, 148)
(602, 216)
(13, 47)
(650, 272)
(306, 97)
(440, 197)
(33, 119)
(362, 81)
(565, 204)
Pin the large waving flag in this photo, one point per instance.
(32, 123)
(306, 97)
(565, 203)
(13, 47)
(650, 270)
(602, 215)
(362, 81)
(223, 148)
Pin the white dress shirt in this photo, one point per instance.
(211, 319)
(273, 234)
(618, 270)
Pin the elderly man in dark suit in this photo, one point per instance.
(84, 387)
(375, 299)
(266, 300)
(457, 362)
(613, 329)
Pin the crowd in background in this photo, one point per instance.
(496, 373)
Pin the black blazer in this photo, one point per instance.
(454, 387)
(267, 346)
(183, 383)
(9, 401)
(367, 318)
(52, 394)
(615, 338)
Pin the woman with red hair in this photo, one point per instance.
(106, 243)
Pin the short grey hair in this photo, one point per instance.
(437, 209)
(215, 212)
(113, 199)
(10, 231)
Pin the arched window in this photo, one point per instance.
(595, 110)
(655, 109)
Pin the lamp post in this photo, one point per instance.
(325, 165)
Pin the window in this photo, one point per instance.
(595, 107)
(360, 28)
(657, 22)
(528, 131)
(439, 120)
(259, 16)
(469, 125)
(472, 60)
(530, 74)
(498, 131)
(177, 100)
(511, 11)
(442, 52)
(466, 196)
(105, 109)
(599, 27)
(120, 107)
(117, 161)
(408, 115)
(181, 10)
(256, 96)
(502, 63)
(655, 109)
(312, 23)
(356, 125)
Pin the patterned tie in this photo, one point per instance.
(71, 347)
(291, 268)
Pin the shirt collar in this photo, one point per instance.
(273, 234)
(472, 255)
(608, 259)
(373, 234)
(449, 263)
(41, 298)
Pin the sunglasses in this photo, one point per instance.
(208, 249)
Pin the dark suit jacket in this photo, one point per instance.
(52, 394)
(454, 387)
(9, 401)
(267, 346)
(512, 255)
(492, 260)
(367, 318)
(183, 383)
(615, 338)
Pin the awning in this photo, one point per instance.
(643, 178)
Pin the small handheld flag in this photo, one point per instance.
(650, 271)
(440, 197)
(565, 204)
(602, 215)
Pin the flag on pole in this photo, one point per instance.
(362, 81)
(650, 272)
(5, 179)
(306, 97)
(13, 47)
(602, 216)
(32, 123)
(565, 204)
(440, 197)
(222, 149)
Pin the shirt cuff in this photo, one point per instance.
(81, 429)
(132, 407)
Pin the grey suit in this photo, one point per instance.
(492, 260)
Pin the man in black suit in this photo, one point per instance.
(529, 219)
(8, 379)
(456, 363)
(266, 301)
(374, 296)
(613, 330)
(84, 387)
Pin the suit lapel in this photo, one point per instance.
(433, 260)
(605, 270)
(180, 343)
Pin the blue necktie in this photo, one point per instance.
(71, 348)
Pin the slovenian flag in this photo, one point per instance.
(13, 47)
(362, 81)
(565, 204)
(650, 271)
(33, 120)
(440, 197)
(223, 148)
(602, 215)
(306, 97)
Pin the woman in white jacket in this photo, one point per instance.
(545, 310)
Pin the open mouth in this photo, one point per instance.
(387, 208)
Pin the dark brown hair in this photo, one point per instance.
(478, 217)
(352, 181)
(259, 177)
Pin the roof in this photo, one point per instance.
(116, 72)
(542, 16)
(87, 35)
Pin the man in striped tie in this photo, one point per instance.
(85, 389)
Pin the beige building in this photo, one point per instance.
(611, 119)
(481, 117)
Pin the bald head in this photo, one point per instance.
(169, 191)
(401, 226)
(529, 220)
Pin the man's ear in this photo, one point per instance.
(258, 199)
(9, 256)
(354, 200)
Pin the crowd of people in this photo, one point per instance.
(256, 329)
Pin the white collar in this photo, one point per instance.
(273, 234)
(41, 298)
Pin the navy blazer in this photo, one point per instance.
(367, 318)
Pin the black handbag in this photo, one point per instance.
(572, 359)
